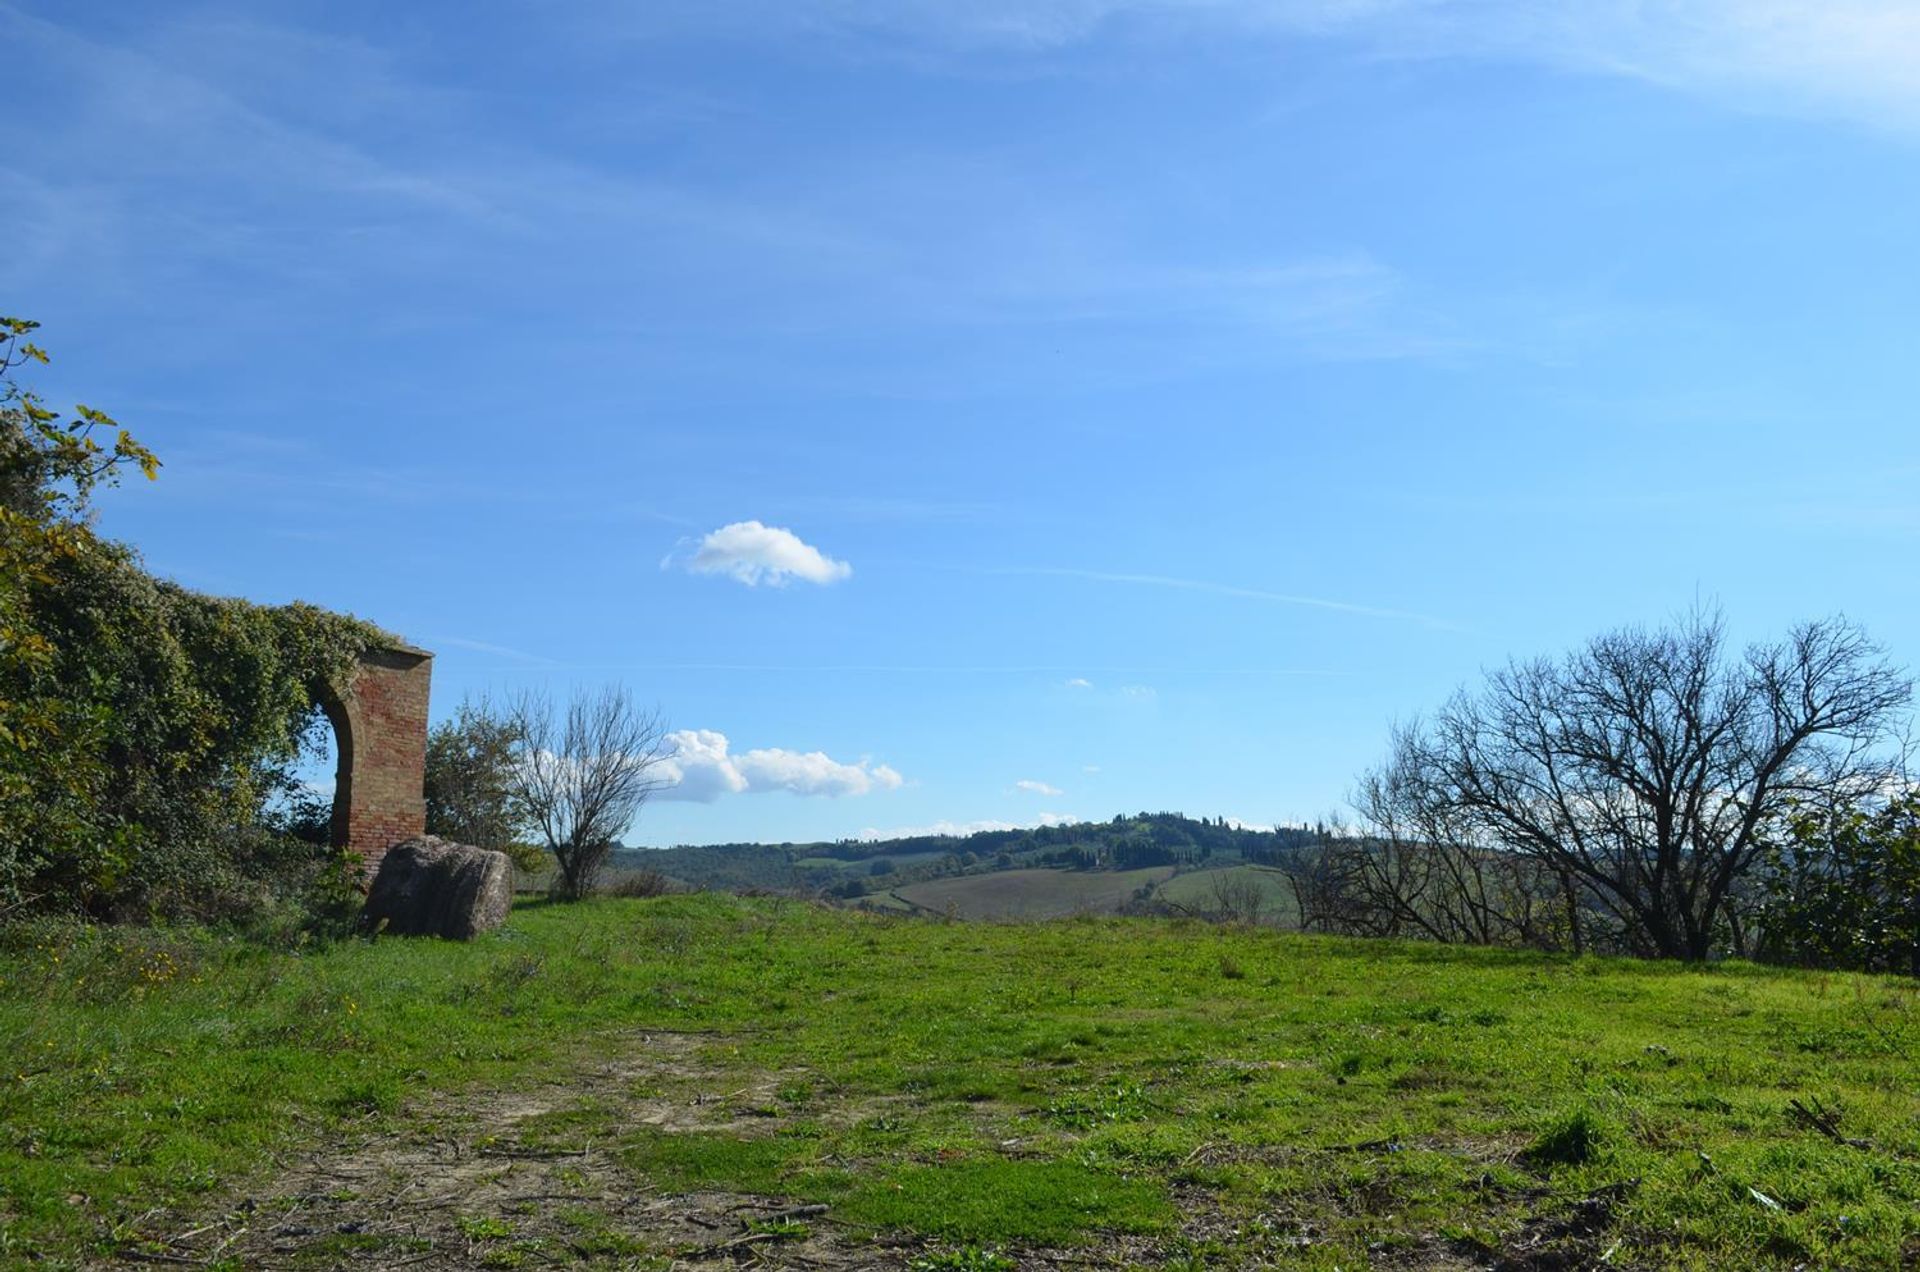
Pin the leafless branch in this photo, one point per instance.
(583, 776)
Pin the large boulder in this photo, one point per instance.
(433, 887)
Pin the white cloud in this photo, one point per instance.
(1089, 768)
(960, 830)
(1079, 682)
(752, 553)
(1851, 58)
(1033, 787)
(702, 768)
(1843, 57)
(1137, 691)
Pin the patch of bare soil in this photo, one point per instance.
(1581, 1235)
(524, 1177)
(512, 1178)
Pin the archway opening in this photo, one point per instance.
(336, 761)
(300, 789)
(379, 727)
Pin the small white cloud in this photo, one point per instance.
(1033, 787)
(1089, 768)
(1079, 682)
(702, 768)
(752, 553)
(1137, 691)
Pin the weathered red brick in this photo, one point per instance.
(380, 730)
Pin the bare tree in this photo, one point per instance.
(1237, 896)
(581, 779)
(1420, 871)
(1321, 877)
(1644, 773)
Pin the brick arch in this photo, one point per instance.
(379, 720)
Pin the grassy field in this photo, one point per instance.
(1197, 890)
(700, 1080)
(1031, 894)
(903, 859)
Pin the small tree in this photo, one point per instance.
(580, 779)
(470, 783)
(1237, 896)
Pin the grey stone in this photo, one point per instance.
(434, 887)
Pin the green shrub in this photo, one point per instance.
(1843, 890)
(145, 729)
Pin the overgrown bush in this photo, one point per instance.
(640, 883)
(1843, 890)
(144, 727)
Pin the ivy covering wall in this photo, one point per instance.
(145, 729)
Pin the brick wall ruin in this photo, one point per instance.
(380, 730)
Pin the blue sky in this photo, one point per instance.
(956, 412)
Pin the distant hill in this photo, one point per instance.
(1025, 894)
(854, 867)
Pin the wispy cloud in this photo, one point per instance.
(1338, 307)
(290, 485)
(147, 103)
(1224, 589)
(947, 669)
(1842, 58)
(487, 647)
(232, 165)
(1851, 58)
(1034, 786)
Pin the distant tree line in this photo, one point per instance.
(1174, 833)
(1125, 842)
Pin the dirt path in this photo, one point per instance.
(496, 1179)
(529, 1177)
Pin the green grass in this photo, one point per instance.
(1195, 889)
(1224, 1095)
(1031, 894)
